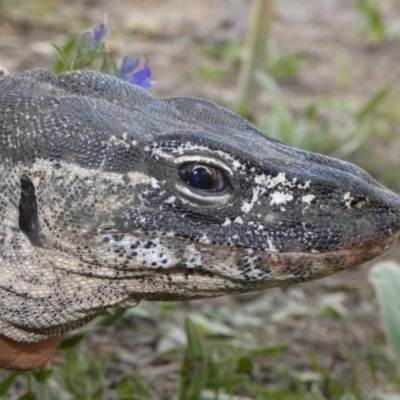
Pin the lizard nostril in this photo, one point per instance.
(358, 202)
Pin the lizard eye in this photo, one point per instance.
(203, 177)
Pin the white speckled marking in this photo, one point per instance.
(148, 255)
(306, 185)
(270, 183)
(280, 198)
(348, 199)
(271, 246)
(308, 198)
(194, 259)
(170, 200)
(227, 222)
(238, 220)
(155, 184)
(257, 192)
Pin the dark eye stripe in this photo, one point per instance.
(203, 177)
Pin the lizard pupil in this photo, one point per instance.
(200, 178)
(203, 177)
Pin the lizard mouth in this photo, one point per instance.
(299, 267)
(264, 268)
(240, 270)
(236, 263)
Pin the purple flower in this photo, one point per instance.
(141, 77)
(128, 65)
(95, 35)
(99, 31)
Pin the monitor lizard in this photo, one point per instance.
(110, 195)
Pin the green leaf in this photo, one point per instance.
(270, 350)
(105, 64)
(317, 365)
(106, 320)
(65, 54)
(62, 63)
(231, 383)
(373, 17)
(113, 318)
(333, 304)
(274, 394)
(245, 365)
(211, 327)
(28, 396)
(211, 71)
(195, 366)
(373, 103)
(134, 388)
(7, 383)
(280, 124)
(386, 396)
(385, 276)
(71, 341)
(42, 374)
(286, 65)
(291, 310)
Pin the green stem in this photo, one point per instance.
(254, 53)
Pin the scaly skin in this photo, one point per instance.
(99, 205)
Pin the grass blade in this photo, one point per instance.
(385, 276)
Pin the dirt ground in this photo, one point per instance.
(342, 62)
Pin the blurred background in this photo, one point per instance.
(323, 75)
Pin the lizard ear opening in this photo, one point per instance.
(28, 218)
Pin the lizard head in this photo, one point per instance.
(187, 199)
(112, 196)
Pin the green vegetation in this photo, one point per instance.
(254, 52)
(385, 276)
(224, 354)
(284, 65)
(82, 51)
(375, 25)
(38, 10)
(309, 132)
(217, 362)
